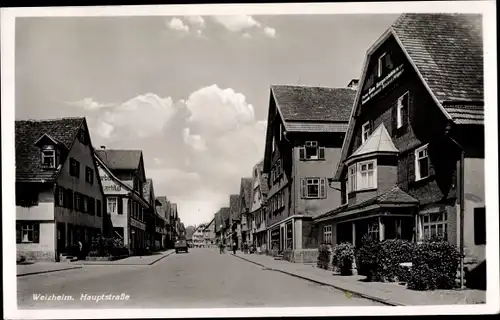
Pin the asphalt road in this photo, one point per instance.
(202, 278)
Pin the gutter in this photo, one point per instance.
(462, 199)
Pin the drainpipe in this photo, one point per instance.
(462, 201)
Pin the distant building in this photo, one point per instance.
(59, 198)
(209, 233)
(258, 207)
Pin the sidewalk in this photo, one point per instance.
(130, 261)
(388, 293)
(43, 267)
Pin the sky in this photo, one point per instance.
(191, 92)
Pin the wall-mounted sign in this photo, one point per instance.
(109, 185)
(376, 88)
(137, 224)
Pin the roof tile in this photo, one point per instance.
(120, 159)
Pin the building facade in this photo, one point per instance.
(245, 196)
(122, 175)
(163, 209)
(306, 129)
(258, 208)
(59, 198)
(414, 152)
(209, 233)
(235, 219)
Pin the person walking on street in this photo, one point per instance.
(221, 247)
(234, 247)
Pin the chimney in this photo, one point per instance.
(103, 147)
(353, 84)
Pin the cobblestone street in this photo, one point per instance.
(202, 278)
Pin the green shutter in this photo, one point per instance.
(36, 232)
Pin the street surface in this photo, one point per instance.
(202, 278)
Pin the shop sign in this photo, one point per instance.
(275, 233)
(379, 86)
(137, 224)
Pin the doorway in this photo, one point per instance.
(61, 237)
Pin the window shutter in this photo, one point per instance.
(56, 196)
(18, 233)
(406, 106)
(411, 166)
(394, 118)
(303, 190)
(322, 188)
(302, 153)
(36, 232)
(120, 205)
(321, 153)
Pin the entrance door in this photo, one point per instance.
(61, 237)
(282, 240)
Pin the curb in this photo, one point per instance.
(362, 295)
(47, 271)
(127, 264)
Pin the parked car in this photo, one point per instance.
(181, 245)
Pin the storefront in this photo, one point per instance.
(275, 236)
(137, 236)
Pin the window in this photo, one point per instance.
(82, 137)
(98, 207)
(402, 109)
(27, 232)
(435, 225)
(480, 226)
(48, 158)
(373, 230)
(74, 168)
(421, 163)
(365, 131)
(281, 132)
(380, 66)
(367, 175)
(89, 175)
(77, 201)
(274, 144)
(314, 188)
(327, 234)
(91, 205)
(60, 197)
(85, 204)
(112, 205)
(352, 178)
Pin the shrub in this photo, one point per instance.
(434, 266)
(105, 247)
(392, 253)
(368, 258)
(343, 257)
(324, 256)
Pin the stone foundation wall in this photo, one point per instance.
(301, 255)
(38, 255)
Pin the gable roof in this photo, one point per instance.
(393, 196)
(28, 132)
(120, 159)
(378, 142)
(304, 103)
(246, 192)
(147, 190)
(446, 52)
(234, 206)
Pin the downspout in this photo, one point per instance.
(461, 201)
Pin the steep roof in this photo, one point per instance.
(146, 189)
(246, 192)
(234, 206)
(163, 208)
(447, 49)
(392, 196)
(28, 132)
(304, 103)
(120, 159)
(378, 142)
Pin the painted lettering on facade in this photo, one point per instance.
(137, 224)
(109, 185)
(379, 86)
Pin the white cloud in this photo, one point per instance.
(237, 23)
(104, 130)
(89, 104)
(196, 21)
(178, 25)
(246, 35)
(270, 32)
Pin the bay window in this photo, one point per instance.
(367, 174)
(352, 178)
(373, 230)
(435, 225)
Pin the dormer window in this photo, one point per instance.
(49, 157)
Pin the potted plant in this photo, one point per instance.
(343, 257)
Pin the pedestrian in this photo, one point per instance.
(221, 247)
(234, 247)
